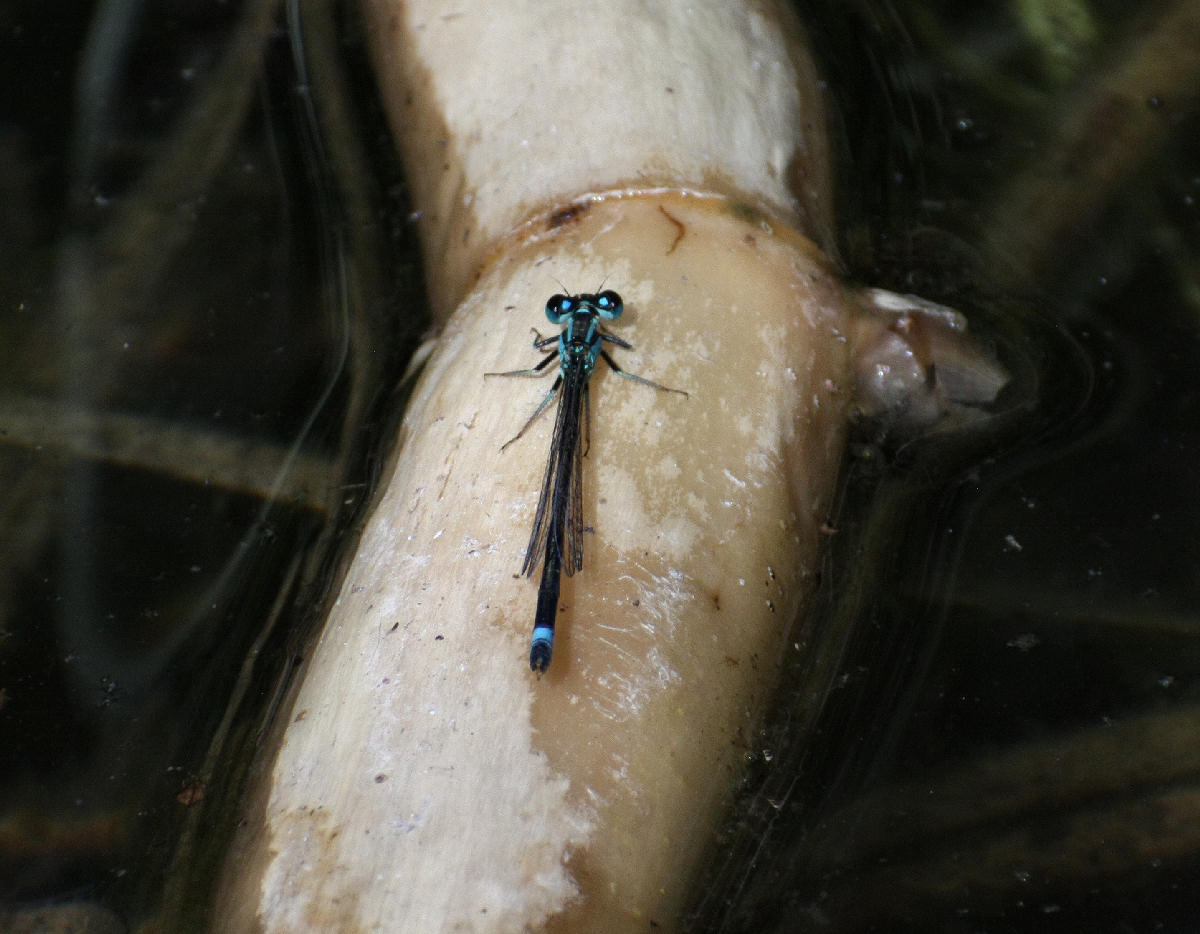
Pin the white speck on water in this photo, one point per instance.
(1024, 642)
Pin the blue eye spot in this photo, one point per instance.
(559, 306)
(609, 304)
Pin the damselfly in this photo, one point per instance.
(558, 528)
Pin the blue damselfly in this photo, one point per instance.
(557, 535)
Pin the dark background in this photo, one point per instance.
(205, 314)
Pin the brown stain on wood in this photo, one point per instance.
(680, 229)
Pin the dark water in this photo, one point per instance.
(993, 723)
(203, 321)
(1010, 617)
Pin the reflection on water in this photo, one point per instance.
(197, 328)
(1010, 620)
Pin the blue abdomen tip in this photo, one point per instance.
(541, 647)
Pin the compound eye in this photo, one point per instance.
(558, 307)
(609, 304)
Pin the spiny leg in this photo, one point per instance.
(546, 400)
(633, 376)
(539, 370)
